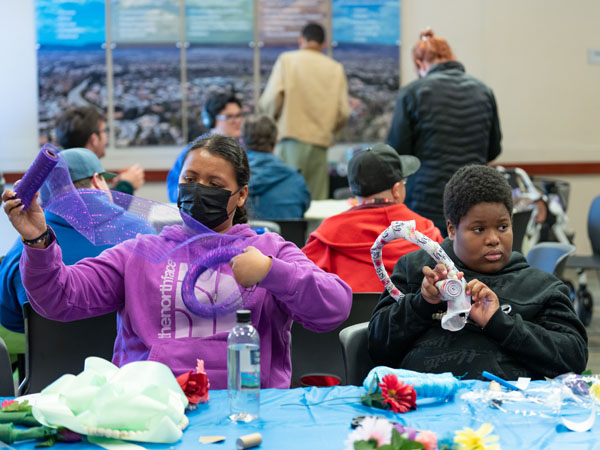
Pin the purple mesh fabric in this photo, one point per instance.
(97, 215)
(33, 179)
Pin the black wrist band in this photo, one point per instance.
(43, 237)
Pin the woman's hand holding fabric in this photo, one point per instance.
(250, 267)
(31, 223)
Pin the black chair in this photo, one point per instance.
(294, 230)
(519, 225)
(584, 302)
(7, 383)
(355, 350)
(55, 348)
(320, 353)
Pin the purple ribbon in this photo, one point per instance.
(99, 216)
(35, 176)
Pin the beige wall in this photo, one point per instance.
(533, 53)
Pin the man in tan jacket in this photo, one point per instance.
(307, 95)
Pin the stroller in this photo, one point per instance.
(548, 200)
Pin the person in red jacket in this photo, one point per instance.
(342, 243)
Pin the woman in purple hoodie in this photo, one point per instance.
(153, 320)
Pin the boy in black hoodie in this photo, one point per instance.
(521, 322)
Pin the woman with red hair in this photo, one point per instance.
(446, 118)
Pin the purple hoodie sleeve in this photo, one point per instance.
(318, 300)
(92, 287)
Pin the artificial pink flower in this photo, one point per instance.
(5, 403)
(401, 397)
(428, 439)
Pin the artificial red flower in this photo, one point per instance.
(399, 396)
(5, 403)
(195, 384)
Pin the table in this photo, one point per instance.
(322, 209)
(319, 418)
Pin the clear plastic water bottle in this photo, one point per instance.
(243, 369)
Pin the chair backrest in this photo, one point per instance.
(355, 351)
(519, 226)
(55, 348)
(550, 256)
(7, 382)
(269, 225)
(594, 225)
(294, 230)
(342, 193)
(320, 353)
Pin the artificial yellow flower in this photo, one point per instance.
(468, 439)
(595, 391)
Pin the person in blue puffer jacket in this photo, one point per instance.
(275, 191)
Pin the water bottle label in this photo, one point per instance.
(249, 380)
(250, 369)
(255, 357)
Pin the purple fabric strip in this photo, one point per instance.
(35, 176)
(111, 218)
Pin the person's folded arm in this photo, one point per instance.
(318, 300)
(271, 100)
(495, 134)
(400, 135)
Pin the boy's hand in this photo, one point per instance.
(251, 267)
(485, 302)
(430, 293)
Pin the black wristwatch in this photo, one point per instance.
(43, 238)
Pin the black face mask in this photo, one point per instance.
(206, 204)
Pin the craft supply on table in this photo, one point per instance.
(248, 441)
(211, 439)
(502, 382)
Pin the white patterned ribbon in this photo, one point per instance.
(459, 305)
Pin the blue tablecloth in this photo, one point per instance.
(319, 418)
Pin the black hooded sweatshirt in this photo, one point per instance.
(535, 332)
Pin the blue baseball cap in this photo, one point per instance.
(84, 163)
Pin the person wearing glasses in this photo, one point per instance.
(85, 127)
(222, 114)
(342, 243)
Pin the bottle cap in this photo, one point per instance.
(243, 315)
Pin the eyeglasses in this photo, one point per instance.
(230, 116)
(104, 130)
